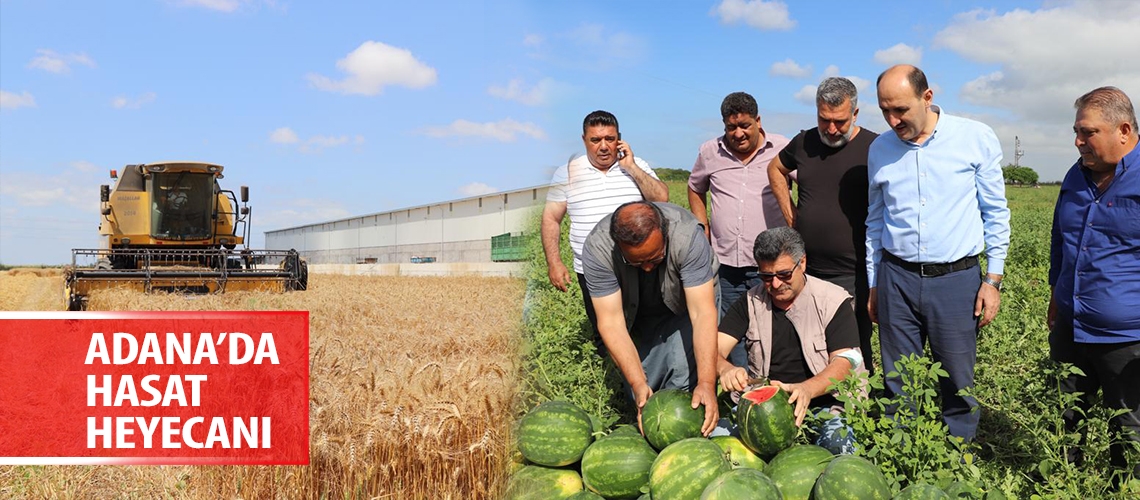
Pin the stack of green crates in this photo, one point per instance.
(508, 247)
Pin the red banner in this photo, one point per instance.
(169, 388)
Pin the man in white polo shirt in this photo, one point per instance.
(590, 188)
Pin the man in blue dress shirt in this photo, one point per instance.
(936, 200)
(1094, 268)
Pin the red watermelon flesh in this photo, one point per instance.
(762, 394)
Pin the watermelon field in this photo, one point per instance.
(1020, 445)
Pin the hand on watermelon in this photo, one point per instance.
(705, 394)
(734, 379)
(798, 398)
(641, 394)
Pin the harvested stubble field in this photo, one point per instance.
(413, 386)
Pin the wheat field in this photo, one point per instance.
(413, 385)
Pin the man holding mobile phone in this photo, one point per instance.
(588, 189)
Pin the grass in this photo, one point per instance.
(413, 385)
(1019, 442)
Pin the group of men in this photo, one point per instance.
(887, 228)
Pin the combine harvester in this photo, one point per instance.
(171, 227)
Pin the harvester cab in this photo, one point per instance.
(171, 227)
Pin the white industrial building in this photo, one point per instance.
(440, 238)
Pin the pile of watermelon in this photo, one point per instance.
(562, 457)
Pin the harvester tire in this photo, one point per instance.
(303, 276)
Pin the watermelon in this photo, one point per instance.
(766, 422)
(921, 491)
(617, 466)
(555, 433)
(668, 416)
(626, 429)
(585, 495)
(849, 477)
(795, 470)
(738, 454)
(741, 483)
(535, 482)
(683, 469)
(961, 490)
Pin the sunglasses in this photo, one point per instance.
(783, 275)
(654, 261)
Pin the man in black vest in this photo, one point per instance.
(651, 276)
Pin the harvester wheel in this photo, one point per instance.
(303, 276)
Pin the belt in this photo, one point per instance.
(933, 270)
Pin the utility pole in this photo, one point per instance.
(1017, 151)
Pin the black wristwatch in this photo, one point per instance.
(992, 282)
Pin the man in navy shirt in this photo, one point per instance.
(1094, 271)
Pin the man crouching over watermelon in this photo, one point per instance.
(651, 275)
(799, 331)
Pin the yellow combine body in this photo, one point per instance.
(171, 227)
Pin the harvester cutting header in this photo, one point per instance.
(171, 227)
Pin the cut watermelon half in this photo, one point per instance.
(762, 394)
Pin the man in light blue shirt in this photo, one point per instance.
(936, 200)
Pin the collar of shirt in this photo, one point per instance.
(724, 151)
(1129, 161)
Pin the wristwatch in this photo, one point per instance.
(992, 282)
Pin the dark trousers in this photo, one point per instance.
(1111, 368)
(913, 309)
(734, 283)
(592, 316)
(856, 286)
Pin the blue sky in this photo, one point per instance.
(332, 109)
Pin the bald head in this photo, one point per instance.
(635, 221)
(906, 101)
(903, 75)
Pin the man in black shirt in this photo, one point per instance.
(831, 212)
(798, 331)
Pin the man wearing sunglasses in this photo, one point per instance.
(651, 275)
(798, 331)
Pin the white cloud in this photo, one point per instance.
(229, 6)
(123, 102)
(899, 54)
(53, 62)
(476, 189)
(831, 70)
(759, 14)
(533, 40)
(12, 100)
(503, 130)
(1038, 74)
(31, 189)
(790, 68)
(806, 94)
(283, 135)
(84, 166)
(298, 212)
(517, 90)
(373, 66)
(861, 84)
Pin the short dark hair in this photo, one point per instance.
(599, 117)
(634, 221)
(773, 243)
(915, 77)
(738, 103)
(1113, 103)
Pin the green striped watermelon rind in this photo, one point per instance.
(738, 454)
(683, 469)
(617, 466)
(849, 477)
(921, 491)
(796, 469)
(555, 433)
(586, 495)
(668, 417)
(766, 427)
(739, 484)
(535, 482)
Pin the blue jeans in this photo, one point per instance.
(666, 354)
(734, 283)
(830, 431)
(913, 309)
